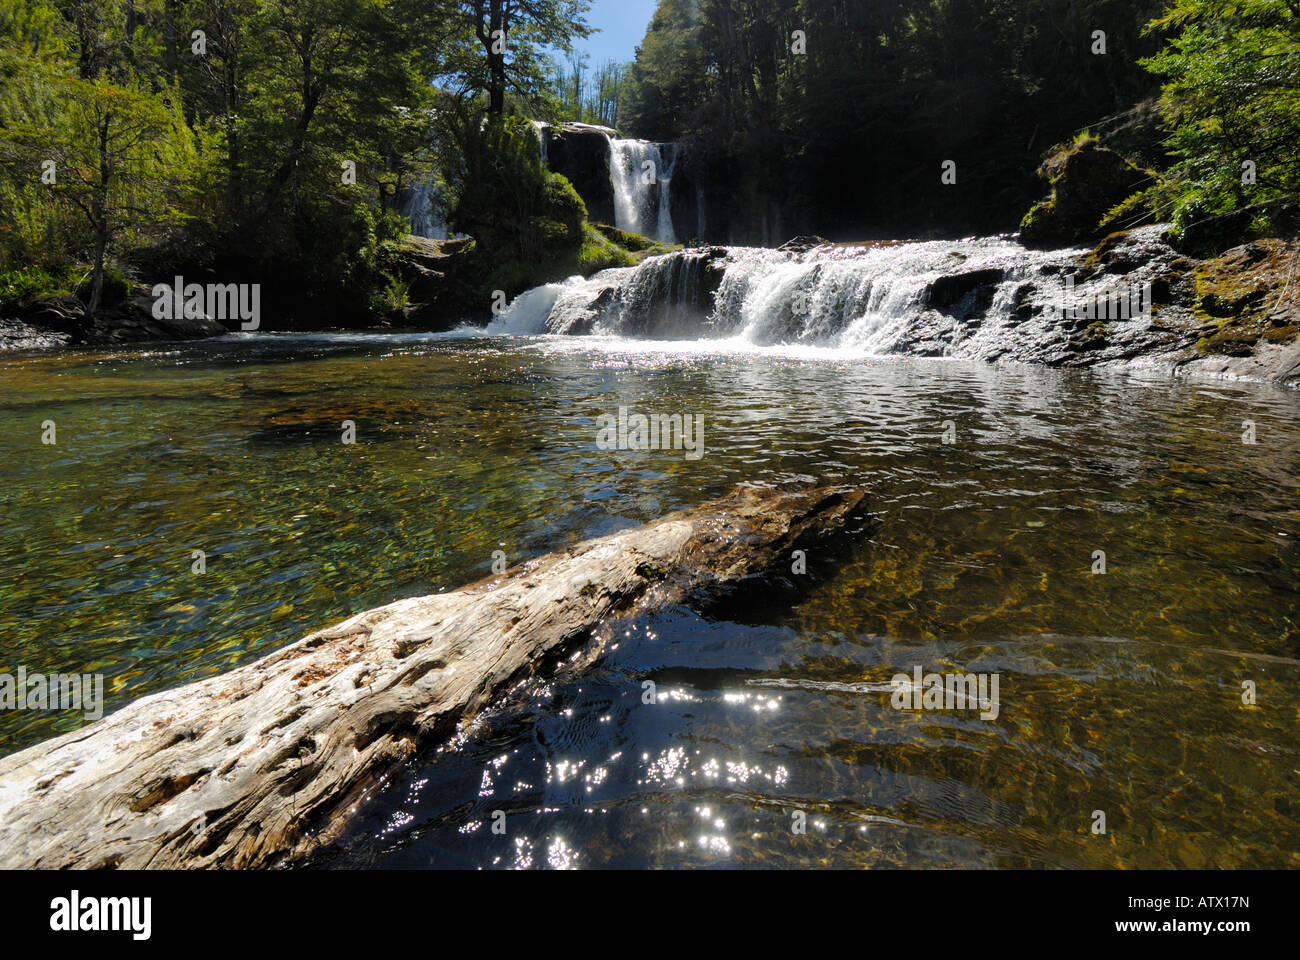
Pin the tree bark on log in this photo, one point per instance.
(258, 766)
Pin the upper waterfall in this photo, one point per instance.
(637, 185)
(641, 173)
(420, 206)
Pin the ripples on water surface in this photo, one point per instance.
(1119, 693)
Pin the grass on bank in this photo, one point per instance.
(21, 288)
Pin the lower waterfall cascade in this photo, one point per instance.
(961, 299)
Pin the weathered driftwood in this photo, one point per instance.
(255, 766)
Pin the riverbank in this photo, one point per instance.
(432, 285)
(62, 323)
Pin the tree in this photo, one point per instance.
(1232, 100)
(515, 39)
(834, 116)
(120, 154)
(589, 96)
(667, 81)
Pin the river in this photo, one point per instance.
(994, 489)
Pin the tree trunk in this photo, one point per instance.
(171, 32)
(99, 207)
(131, 24)
(97, 274)
(496, 62)
(262, 765)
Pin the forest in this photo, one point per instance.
(847, 137)
(248, 138)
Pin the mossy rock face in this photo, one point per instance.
(1232, 305)
(1115, 254)
(1087, 181)
(634, 243)
(1039, 221)
(1231, 285)
(1247, 296)
(626, 240)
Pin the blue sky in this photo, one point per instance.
(622, 25)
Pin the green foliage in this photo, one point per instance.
(116, 152)
(504, 197)
(668, 77)
(536, 30)
(116, 287)
(1231, 97)
(596, 252)
(599, 252)
(563, 212)
(394, 297)
(271, 148)
(630, 241)
(26, 284)
(118, 140)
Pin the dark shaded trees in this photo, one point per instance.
(842, 127)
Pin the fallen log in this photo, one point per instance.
(257, 766)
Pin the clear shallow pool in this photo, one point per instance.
(1119, 692)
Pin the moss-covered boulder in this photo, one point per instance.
(1087, 181)
(1244, 298)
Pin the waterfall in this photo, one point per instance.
(662, 297)
(543, 132)
(973, 299)
(638, 208)
(664, 232)
(528, 312)
(420, 207)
